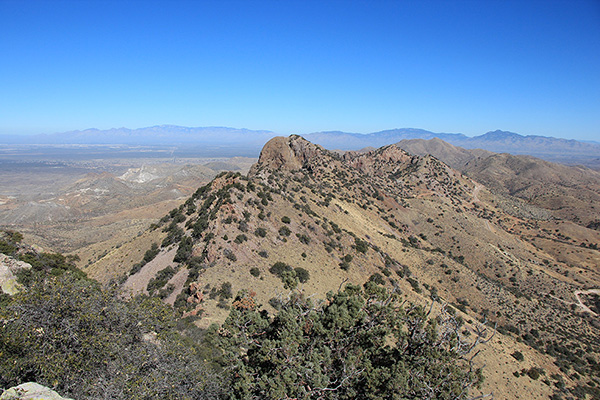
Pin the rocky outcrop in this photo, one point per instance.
(31, 391)
(371, 162)
(286, 153)
(8, 269)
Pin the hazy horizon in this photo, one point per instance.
(292, 133)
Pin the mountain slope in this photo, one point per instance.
(310, 218)
(456, 157)
(569, 193)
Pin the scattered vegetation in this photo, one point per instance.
(288, 275)
(161, 279)
(260, 232)
(508, 279)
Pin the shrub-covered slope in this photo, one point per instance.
(309, 219)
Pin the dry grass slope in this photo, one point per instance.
(411, 222)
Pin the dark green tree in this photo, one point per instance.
(358, 344)
(70, 334)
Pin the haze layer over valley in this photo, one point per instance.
(70, 197)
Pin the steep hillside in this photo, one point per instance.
(309, 218)
(62, 330)
(569, 193)
(456, 157)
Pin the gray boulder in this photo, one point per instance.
(8, 268)
(31, 391)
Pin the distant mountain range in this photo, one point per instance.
(188, 141)
(154, 135)
(548, 148)
(249, 142)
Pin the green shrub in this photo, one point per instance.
(83, 341)
(286, 273)
(243, 226)
(534, 373)
(302, 274)
(284, 231)
(174, 234)
(7, 248)
(263, 254)
(352, 346)
(184, 251)
(305, 239)
(415, 284)
(260, 232)
(161, 279)
(517, 355)
(45, 264)
(166, 291)
(377, 278)
(360, 245)
(225, 291)
(279, 268)
(151, 253)
(240, 239)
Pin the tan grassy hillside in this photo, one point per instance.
(406, 221)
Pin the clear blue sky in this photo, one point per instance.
(531, 67)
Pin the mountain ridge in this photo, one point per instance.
(313, 219)
(568, 151)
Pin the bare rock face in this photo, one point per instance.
(288, 154)
(371, 162)
(8, 268)
(31, 391)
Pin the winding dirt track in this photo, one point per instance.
(476, 190)
(581, 304)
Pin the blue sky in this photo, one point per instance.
(531, 67)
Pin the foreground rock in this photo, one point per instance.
(8, 269)
(31, 391)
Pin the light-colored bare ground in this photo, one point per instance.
(581, 304)
(137, 282)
